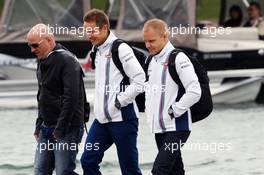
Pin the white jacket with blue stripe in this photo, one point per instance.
(108, 79)
(162, 92)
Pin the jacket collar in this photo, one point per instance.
(108, 42)
(49, 59)
(165, 51)
(57, 47)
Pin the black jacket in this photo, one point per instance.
(60, 95)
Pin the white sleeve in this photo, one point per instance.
(135, 73)
(190, 82)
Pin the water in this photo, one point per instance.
(229, 142)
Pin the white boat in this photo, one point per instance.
(236, 86)
(236, 91)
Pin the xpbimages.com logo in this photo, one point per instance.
(65, 146)
(211, 31)
(212, 147)
(62, 30)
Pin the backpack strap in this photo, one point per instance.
(117, 62)
(92, 56)
(172, 67)
(173, 73)
(146, 66)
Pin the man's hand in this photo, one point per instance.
(36, 135)
(117, 103)
(57, 134)
(171, 110)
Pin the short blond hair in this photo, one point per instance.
(158, 25)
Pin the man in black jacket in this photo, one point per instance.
(59, 125)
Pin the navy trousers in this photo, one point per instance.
(169, 160)
(102, 136)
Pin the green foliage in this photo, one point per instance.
(1, 6)
(100, 4)
(208, 10)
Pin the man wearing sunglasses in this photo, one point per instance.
(59, 125)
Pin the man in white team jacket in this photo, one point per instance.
(115, 110)
(170, 119)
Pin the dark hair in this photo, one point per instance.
(97, 16)
(235, 8)
(257, 5)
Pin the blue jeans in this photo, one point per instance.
(60, 154)
(102, 136)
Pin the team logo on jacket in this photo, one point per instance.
(164, 63)
(109, 55)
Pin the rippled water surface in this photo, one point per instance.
(229, 142)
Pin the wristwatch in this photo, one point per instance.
(117, 104)
(170, 112)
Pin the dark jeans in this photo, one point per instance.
(60, 154)
(102, 136)
(169, 160)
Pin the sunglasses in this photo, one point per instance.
(35, 45)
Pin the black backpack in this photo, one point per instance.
(141, 57)
(204, 106)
